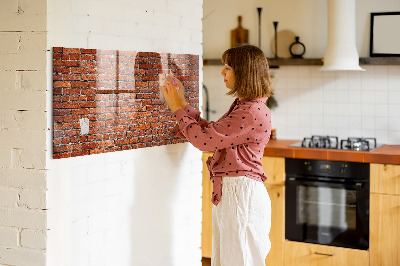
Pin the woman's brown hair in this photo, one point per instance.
(250, 66)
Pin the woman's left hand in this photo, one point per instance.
(171, 95)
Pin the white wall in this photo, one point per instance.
(343, 104)
(311, 102)
(22, 132)
(136, 207)
(305, 18)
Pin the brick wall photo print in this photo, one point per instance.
(109, 100)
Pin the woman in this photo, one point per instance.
(242, 208)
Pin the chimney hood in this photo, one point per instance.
(341, 51)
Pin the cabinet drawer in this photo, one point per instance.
(304, 254)
(385, 178)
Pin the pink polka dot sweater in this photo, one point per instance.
(238, 140)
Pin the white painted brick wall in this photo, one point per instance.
(23, 217)
(23, 178)
(8, 197)
(34, 239)
(137, 207)
(9, 237)
(32, 198)
(22, 256)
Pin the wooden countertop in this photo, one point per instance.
(389, 154)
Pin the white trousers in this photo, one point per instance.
(241, 223)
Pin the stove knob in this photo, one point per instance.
(343, 168)
(308, 166)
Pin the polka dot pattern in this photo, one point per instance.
(238, 139)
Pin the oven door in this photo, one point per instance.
(327, 213)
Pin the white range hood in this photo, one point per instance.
(341, 51)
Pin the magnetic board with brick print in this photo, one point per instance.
(109, 100)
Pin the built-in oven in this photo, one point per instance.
(327, 202)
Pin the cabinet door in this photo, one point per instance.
(274, 168)
(384, 237)
(304, 254)
(277, 233)
(206, 226)
(385, 178)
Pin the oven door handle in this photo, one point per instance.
(357, 185)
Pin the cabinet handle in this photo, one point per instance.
(324, 254)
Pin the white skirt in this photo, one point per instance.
(241, 223)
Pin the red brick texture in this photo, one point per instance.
(118, 92)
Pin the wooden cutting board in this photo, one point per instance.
(239, 35)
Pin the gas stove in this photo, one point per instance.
(332, 142)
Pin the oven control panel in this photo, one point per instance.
(337, 169)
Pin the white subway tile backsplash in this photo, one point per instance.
(342, 109)
(367, 110)
(342, 96)
(367, 96)
(304, 82)
(348, 103)
(316, 83)
(355, 132)
(394, 124)
(367, 83)
(354, 80)
(342, 81)
(381, 84)
(381, 136)
(304, 72)
(381, 97)
(291, 71)
(292, 82)
(354, 122)
(394, 71)
(368, 123)
(394, 97)
(381, 122)
(381, 71)
(328, 74)
(394, 137)
(355, 96)
(329, 109)
(342, 122)
(394, 110)
(381, 110)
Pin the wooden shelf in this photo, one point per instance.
(274, 63)
(380, 61)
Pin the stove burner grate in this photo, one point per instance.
(332, 142)
(358, 144)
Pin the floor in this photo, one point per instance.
(206, 261)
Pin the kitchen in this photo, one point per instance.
(313, 104)
(143, 206)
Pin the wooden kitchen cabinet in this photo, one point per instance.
(277, 233)
(206, 225)
(305, 254)
(384, 237)
(274, 168)
(385, 178)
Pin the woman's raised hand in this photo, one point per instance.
(174, 93)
